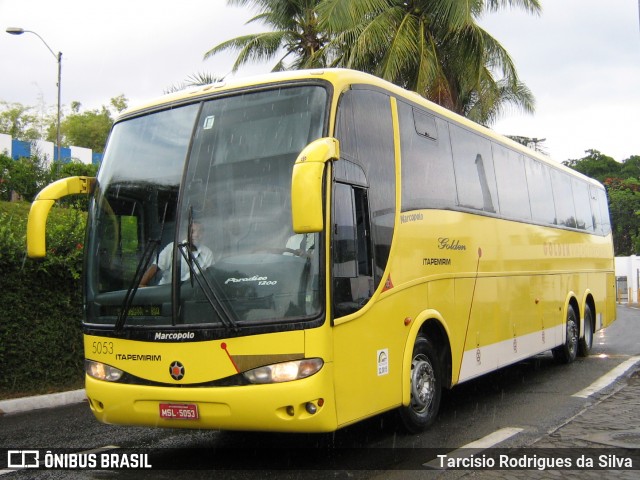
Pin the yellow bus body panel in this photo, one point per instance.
(502, 294)
(203, 361)
(501, 297)
(272, 407)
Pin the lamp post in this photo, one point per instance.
(58, 57)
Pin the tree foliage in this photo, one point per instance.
(596, 165)
(87, 129)
(624, 208)
(194, 80)
(295, 35)
(19, 121)
(27, 176)
(433, 47)
(623, 189)
(40, 328)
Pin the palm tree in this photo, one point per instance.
(194, 80)
(295, 32)
(433, 47)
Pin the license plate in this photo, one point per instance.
(174, 411)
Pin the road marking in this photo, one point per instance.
(493, 438)
(473, 448)
(607, 379)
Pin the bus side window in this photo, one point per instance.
(474, 173)
(427, 167)
(511, 178)
(603, 205)
(582, 203)
(540, 193)
(352, 260)
(563, 199)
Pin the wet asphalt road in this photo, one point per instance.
(534, 395)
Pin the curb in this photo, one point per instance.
(26, 404)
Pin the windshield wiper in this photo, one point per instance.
(196, 272)
(141, 268)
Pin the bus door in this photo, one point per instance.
(362, 228)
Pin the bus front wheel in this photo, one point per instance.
(567, 352)
(426, 387)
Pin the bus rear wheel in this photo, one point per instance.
(426, 387)
(567, 352)
(586, 342)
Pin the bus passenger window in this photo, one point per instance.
(563, 198)
(513, 191)
(582, 204)
(600, 209)
(473, 166)
(427, 168)
(540, 194)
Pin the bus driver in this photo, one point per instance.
(202, 254)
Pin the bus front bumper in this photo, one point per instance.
(305, 405)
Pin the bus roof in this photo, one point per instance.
(341, 78)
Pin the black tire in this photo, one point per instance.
(586, 342)
(426, 387)
(567, 352)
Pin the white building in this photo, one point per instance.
(627, 278)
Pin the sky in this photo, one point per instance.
(580, 58)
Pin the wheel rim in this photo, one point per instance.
(423, 383)
(572, 337)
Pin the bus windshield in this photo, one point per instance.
(191, 218)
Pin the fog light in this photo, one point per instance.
(311, 408)
(290, 411)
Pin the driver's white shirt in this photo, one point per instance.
(296, 241)
(202, 254)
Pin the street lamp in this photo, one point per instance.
(58, 57)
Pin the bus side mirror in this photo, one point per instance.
(306, 184)
(37, 221)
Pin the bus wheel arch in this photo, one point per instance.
(427, 373)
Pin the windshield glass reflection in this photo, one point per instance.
(227, 255)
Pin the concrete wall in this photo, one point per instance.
(19, 148)
(5, 144)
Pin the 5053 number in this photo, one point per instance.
(101, 348)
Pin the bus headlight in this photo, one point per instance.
(102, 371)
(284, 372)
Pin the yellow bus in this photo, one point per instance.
(304, 250)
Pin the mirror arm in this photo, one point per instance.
(37, 221)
